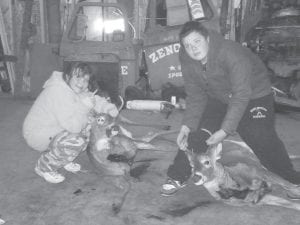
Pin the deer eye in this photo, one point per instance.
(100, 120)
(206, 163)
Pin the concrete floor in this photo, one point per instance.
(86, 198)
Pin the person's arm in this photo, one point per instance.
(195, 101)
(103, 106)
(239, 70)
(70, 113)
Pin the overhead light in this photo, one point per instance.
(109, 26)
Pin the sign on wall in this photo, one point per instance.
(163, 65)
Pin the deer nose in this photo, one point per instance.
(197, 178)
(114, 130)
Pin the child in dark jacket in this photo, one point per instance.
(228, 90)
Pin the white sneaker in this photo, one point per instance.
(72, 167)
(51, 177)
(171, 186)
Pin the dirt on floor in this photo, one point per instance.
(87, 198)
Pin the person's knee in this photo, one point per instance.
(74, 145)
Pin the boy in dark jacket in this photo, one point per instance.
(228, 90)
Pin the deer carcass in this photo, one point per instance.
(236, 177)
(103, 135)
(112, 148)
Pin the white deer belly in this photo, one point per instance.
(102, 144)
(213, 187)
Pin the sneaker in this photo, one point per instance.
(51, 177)
(72, 167)
(171, 187)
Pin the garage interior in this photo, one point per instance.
(137, 61)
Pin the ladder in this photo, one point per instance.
(7, 51)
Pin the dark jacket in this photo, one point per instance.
(232, 74)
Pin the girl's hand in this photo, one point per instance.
(216, 137)
(113, 111)
(88, 99)
(87, 131)
(91, 116)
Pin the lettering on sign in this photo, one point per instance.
(163, 52)
(174, 71)
(124, 70)
(174, 75)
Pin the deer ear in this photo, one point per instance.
(215, 151)
(190, 153)
(91, 115)
(219, 148)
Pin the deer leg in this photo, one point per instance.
(124, 183)
(278, 201)
(277, 180)
(150, 136)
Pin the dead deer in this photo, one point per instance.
(108, 138)
(236, 177)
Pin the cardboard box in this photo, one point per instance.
(177, 15)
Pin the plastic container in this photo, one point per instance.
(152, 105)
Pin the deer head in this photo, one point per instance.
(204, 165)
(239, 183)
(102, 127)
(100, 120)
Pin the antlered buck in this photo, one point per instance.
(108, 139)
(236, 177)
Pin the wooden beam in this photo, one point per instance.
(12, 15)
(53, 21)
(43, 21)
(7, 51)
(26, 24)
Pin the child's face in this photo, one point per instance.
(79, 82)
(196, 46)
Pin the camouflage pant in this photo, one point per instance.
(63, 149)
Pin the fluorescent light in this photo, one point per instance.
(111, 25)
